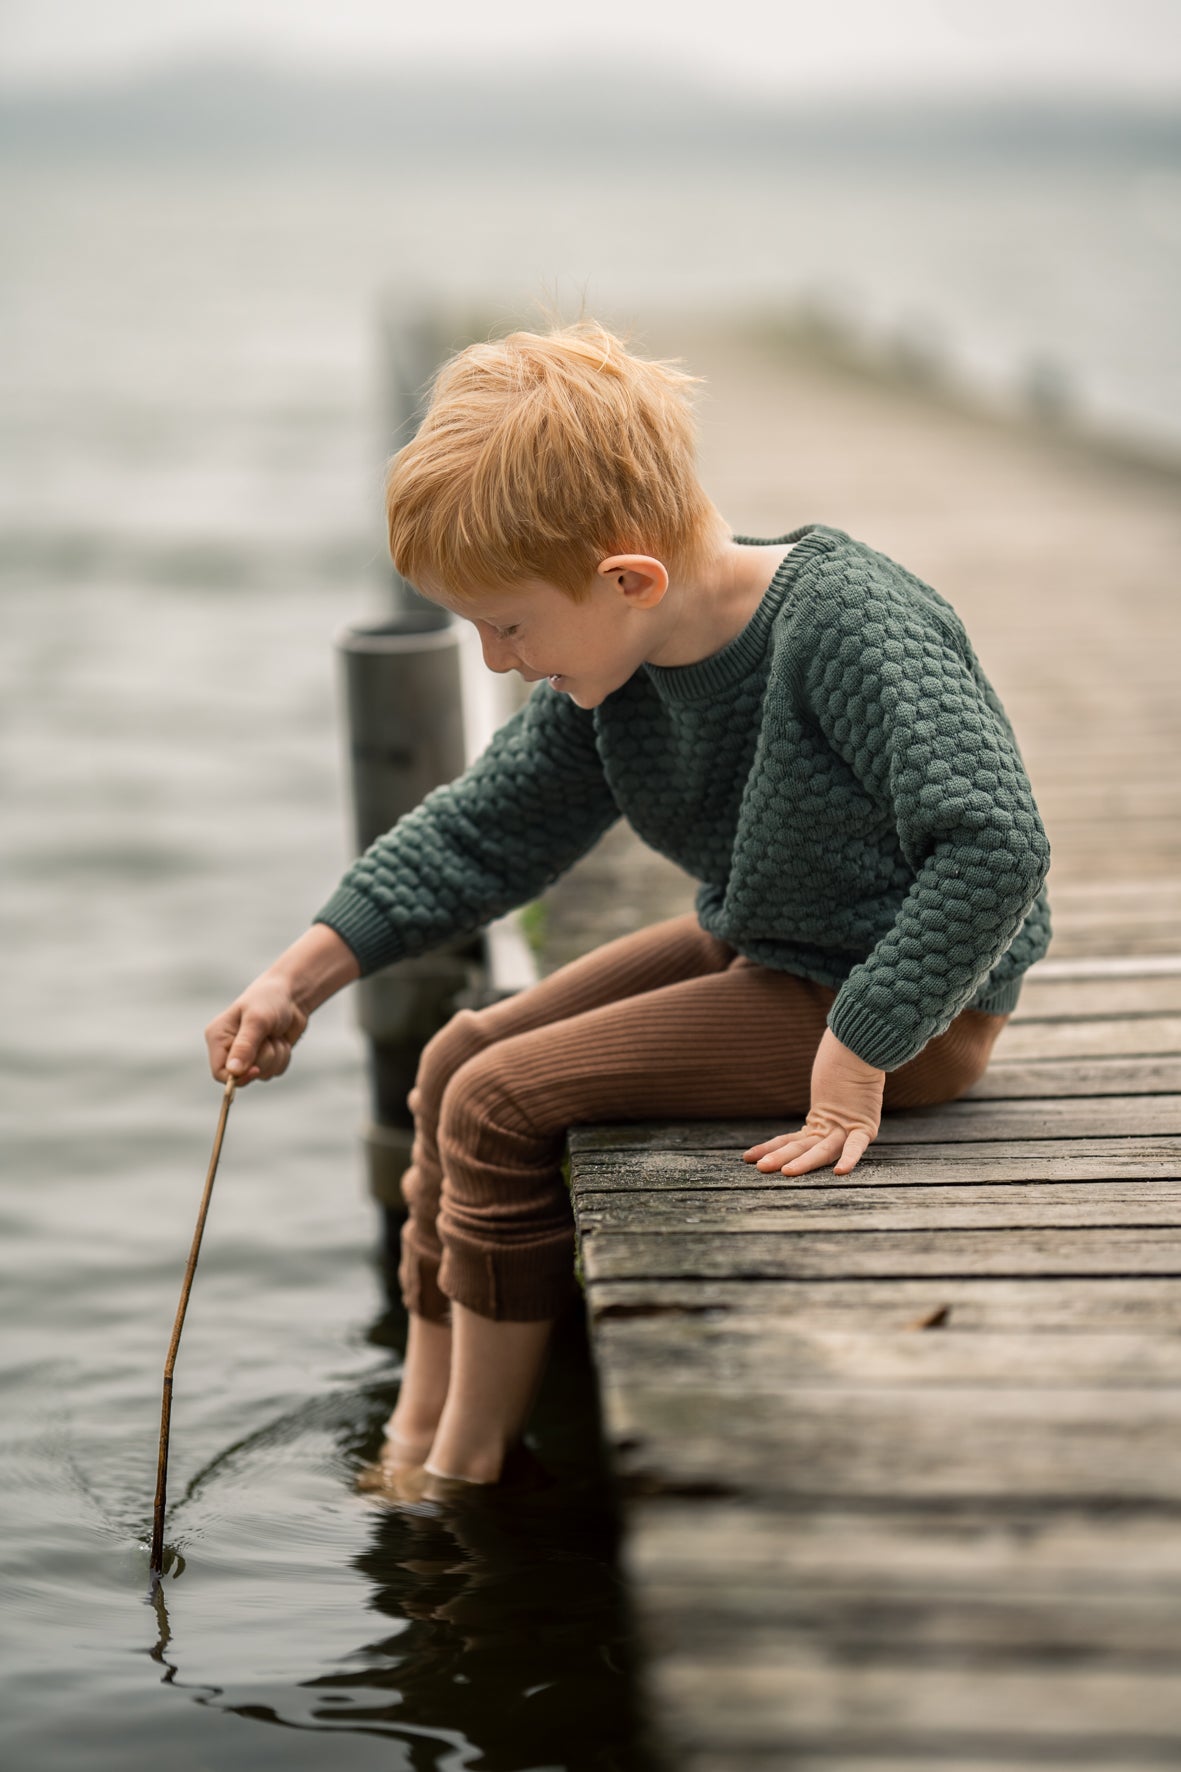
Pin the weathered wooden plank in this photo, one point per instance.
(1104, 894)
(1112, 800)
(643, 1157)
(1111, 1117)
(1151, 1306)
(1114, 993)
(1009, 1079)
(1149, 780)
(974, 1590)
(744, 1700)
(1072, 827)
(786, 1254)
(951, 1756)
(995, 1448)
(1108, 1116)
(756, 1353)
(1091, 859)
(861, 1623)
(768, 1206)
(1111, 1036)
(1073, 831)
(1056, 971)
(1059, 1163)
(1120, 915)
(1123, 924)
(647, 1168)
(1038, 1554)
(1148, 937)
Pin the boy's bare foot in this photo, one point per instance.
(385, 1480)
(520, 1470)
(496, 1367)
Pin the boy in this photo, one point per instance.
(800, 722)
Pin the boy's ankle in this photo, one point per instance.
(413, 1428)
(466, 1463)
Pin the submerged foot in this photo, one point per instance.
(391, 1479)
(401, 1473)
(521, 1471)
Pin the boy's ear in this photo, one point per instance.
(641, 578)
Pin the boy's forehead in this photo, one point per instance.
(491, 605)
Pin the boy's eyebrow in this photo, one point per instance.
(495, 618)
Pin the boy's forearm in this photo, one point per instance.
(316, 966)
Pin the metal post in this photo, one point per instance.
(415, 720)
(405, 715)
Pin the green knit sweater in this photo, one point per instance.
(841, 778)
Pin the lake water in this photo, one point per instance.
(191, 448)
(172, 797)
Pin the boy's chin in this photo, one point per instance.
(584, 693)
(586, 698)
(590, 695)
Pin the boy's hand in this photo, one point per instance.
(254, 1036)
(842, 1122)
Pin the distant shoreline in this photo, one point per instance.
(566, 109)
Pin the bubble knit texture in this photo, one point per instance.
(841, 778)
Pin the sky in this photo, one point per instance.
(1101, 47)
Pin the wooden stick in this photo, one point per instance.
(157, 1562)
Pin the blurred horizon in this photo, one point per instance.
(262, 102)
(1086, 49)
(1041, 87)
(207, 209)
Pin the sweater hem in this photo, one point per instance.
(364, 928)
(1002, 999)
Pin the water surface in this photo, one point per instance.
(172, 818)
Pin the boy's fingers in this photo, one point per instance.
(855, 1148)
(821, 1153)
(279, 1057)
(785, 1148)
(768, 1144)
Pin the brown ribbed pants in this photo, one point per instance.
(669, 1023)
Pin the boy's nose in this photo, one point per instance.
(498, 654)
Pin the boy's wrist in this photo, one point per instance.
(847, 1052)
(315, 967)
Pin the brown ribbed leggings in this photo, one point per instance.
(669, 1023)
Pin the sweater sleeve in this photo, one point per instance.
(517, 818)
(897, 690)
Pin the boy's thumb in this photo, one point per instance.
(246, 1044)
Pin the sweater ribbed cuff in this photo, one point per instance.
(366, 929)
(872, 1039)
(879, 1043)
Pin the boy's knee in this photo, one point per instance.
(442, 1056)
(483, 1099)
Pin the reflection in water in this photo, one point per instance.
(508, 1645)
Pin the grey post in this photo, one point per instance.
(408, 732)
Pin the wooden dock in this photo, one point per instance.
(900, 1455)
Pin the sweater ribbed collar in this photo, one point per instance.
(709, 677)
